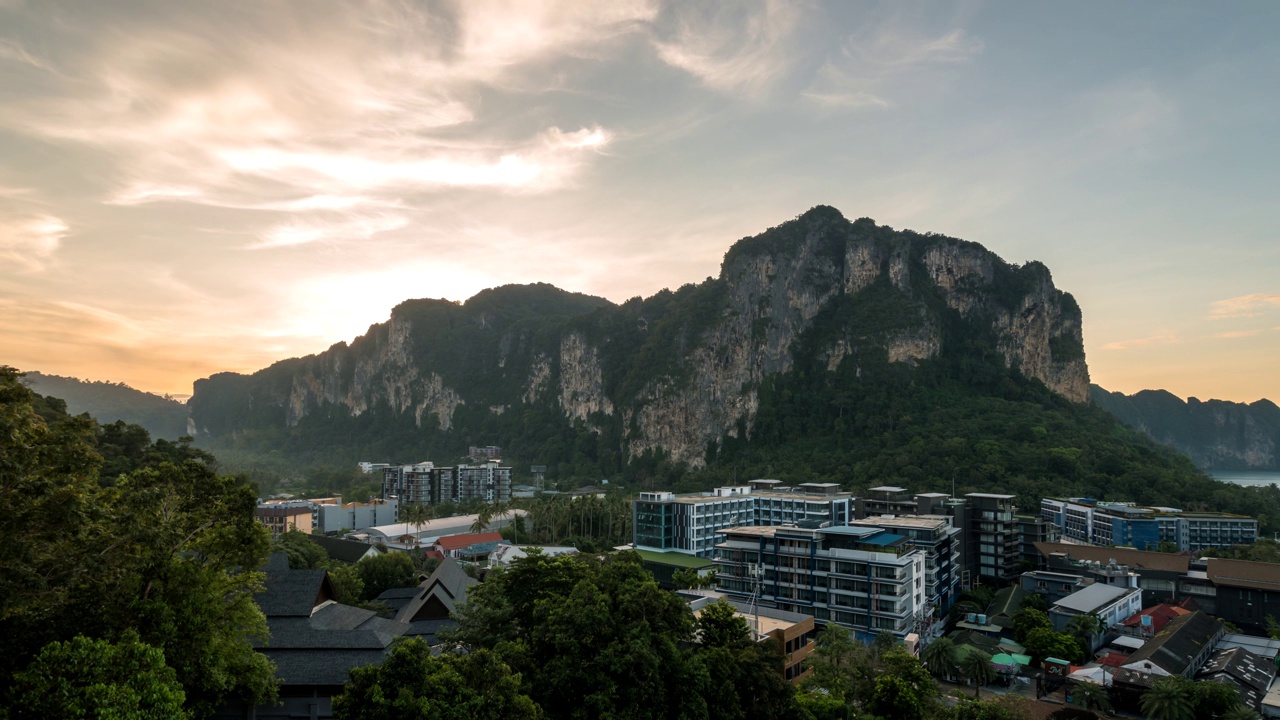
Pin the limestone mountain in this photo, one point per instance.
(1216, 434)
(557, 377)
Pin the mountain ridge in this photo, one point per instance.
(1215, 434)
(679, 370)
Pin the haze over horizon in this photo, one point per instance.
(193, 189)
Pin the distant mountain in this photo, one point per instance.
(825, 351)
(1215, 434)
(107, 402)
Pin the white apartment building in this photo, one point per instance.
(863, 578)
(694, 523)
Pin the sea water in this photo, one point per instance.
(1246, 477)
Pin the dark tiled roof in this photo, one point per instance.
(428, 630)
(292, 593)
(314, 642)
(1174, 647)
(1138, 559)
(447, 585)
(1244, 573)
(320, 667)
(1250, 673)
(347, 551)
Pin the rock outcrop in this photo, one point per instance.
(680, 371)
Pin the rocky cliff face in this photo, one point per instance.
(1215, 434)
(679, 371)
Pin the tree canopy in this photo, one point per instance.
(166, 551)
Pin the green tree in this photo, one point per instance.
(84, 678)
(1084, 628)
(842, 666)
(720, 626)
(939, 657)
(415, 514)
(1001, 708)
(304, 554)
(1240, 712)
(1169, 698)
(893, 697)
(1036, 601)
(686, 578)
(1044, 643)
(975, 665)
(347, 583)
(386, 571)
(1215, 699)
(412, 684)
(1028, 619)
(483, 518)
(1092, 697)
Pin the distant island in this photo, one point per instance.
(1215, 434)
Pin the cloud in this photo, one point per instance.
(1233, 334)
(14, 52)
(28, 240)
(1166, 339)
(1244, 306)
(333, 107)
(860, 74)
(731, 49)
(305, 232)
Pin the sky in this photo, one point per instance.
(189, 188)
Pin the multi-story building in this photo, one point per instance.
(1033, 529)
(863, 578)
(940, 542)
(891, 500)
(424, 483)
(412, 484)
(488, 481)
(694, 523)
(1146, 528)
(281, 518)
(994, 551)
(337, 516)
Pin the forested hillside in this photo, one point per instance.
(106, 402)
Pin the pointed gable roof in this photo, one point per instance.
(293, 593)
(438, 595)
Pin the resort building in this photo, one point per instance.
(863, 578)
(694, 523)
(424, 483)
(939, 540)
(1146, 528)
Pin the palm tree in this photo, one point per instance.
(939, 657)
(976, 667)
(1092, 697)
(483, 518)
(415, 514)
(1239, 712)
(1084, 628)
(1169, 698)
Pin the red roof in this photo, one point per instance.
(1113, 660)
(457, 542)
(1160, 616)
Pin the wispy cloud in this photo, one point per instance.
(305, 232)
(1166, 339)
(28, 240)
(859, 75)
(740, 49)
(1234, 334)
(319, 116)
(1244, 306)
